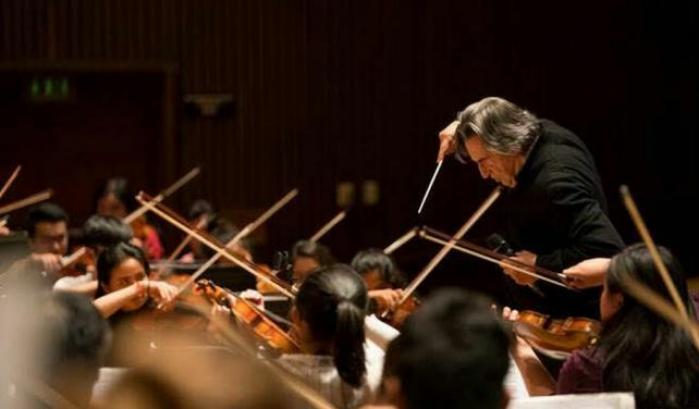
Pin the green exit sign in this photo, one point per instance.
(49, 88)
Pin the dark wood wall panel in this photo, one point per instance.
(347, 90)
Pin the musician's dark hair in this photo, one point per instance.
(452, 353)
(314, 250)
(376, 259)
(217, 226)
(642, 352)
(76, 340)
(121, 189)
(224, 231)
(201, 207)
(111, 257)
(42, 213)
(333, 302)
(100, 231)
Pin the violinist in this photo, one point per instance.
(637, 350)
(556, 211)
(378, 270)
(123, 284)
(124, 290)
(382, 278)
(306, 256)
(328, 321)
(123, 296)
(115, 198)
(47, 227)
(99, 233)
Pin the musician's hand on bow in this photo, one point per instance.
(163, 293)
(525, 257)
(386, 299)
(49, 262)
(447, 141)
(588, 273)
(253, 296)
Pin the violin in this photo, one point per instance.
(556, 338)
(281, 270)
(252, 317)
(80, 262)
(397, 316)
(262, 286)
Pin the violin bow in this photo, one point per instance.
(662, 307)
(75, 256)
(639, 289)
(164, 194)
(178, 222)
(494, 257)
(410, 289)
(9, 182)
(244, 232)
(328, 226)
(188, 238)
(400, 241)
(27, 201)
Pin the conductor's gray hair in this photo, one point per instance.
(503, 127)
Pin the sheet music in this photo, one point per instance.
(582, 401)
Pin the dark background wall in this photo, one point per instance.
(348, 91)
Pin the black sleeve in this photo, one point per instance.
(589, 231)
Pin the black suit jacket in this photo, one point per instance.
(557, 210)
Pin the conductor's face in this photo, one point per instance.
(501, 168)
